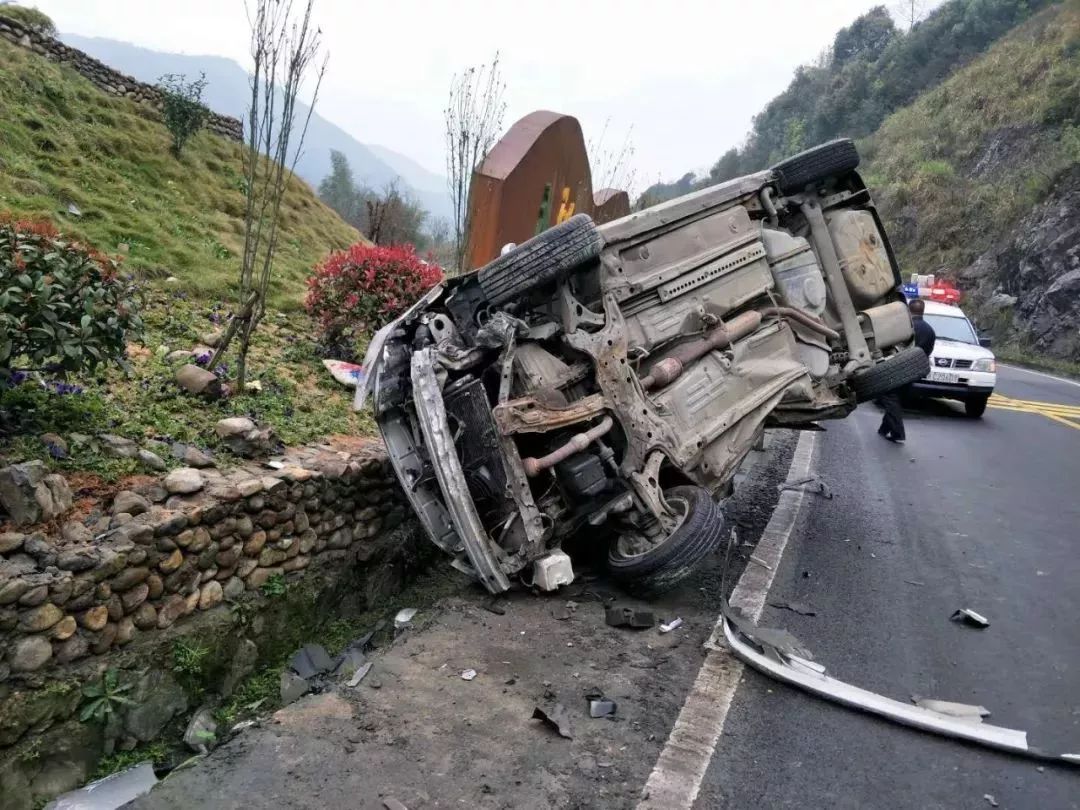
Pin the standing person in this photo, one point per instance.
(892, 423)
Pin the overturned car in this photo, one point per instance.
(607, 381)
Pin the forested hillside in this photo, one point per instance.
(871, 69)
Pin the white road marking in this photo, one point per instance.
(1040, 374)
(676, 779)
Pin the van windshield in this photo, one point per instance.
(951, 328)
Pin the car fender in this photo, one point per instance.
(373, 357)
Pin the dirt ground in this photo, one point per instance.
(414, 730)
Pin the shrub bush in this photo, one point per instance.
(63, 306)
(182, 108)
(359, 289)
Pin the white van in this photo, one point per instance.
(961, 366)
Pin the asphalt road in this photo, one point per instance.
(969, 513)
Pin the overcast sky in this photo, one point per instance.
(687, 75)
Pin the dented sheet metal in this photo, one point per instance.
(778, 654)
(432, 412)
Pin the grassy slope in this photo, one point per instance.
(62, 140)
(1024, 92)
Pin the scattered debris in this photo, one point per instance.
(359, 674)
(114, 791)
(794, 607)
(311, 660)
(201, 731)
(403, 617)
(625, 616)
(990, 800)
(758, 647)
(495, 605)
(674, 624)
(348, 374)
(555, 718)
(970, 617)
(914, 582)
(760, 562)
(602, 707)
(390, 803)
(350, 661)
(293, 687)
(811, 484)
(468, 674)
(966, 711)
(243, 725)
(561, 615)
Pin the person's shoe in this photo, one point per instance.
(890, 437)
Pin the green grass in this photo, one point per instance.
(921, 161)
(298, 398)
(156, 752)
(1020, 355)
(62, 141)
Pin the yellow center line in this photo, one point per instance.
(1068, 410)
(1063, 414)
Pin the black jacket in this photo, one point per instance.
(924, 334)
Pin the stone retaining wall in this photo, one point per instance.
(243, 564)
(104, 77)
(159, 557)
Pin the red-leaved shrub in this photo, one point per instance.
(360, 289)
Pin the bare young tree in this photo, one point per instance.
(612, 167)
(474, 116)
(909, 12)
(284, 48)
(394, 217)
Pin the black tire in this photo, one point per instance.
(976, 406)
(544, 259)
(806, 168)
(904, 367)
(664, 566)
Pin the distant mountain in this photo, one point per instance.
(227, 92)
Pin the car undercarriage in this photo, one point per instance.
(606, 382)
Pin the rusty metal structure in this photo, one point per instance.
(536, 176)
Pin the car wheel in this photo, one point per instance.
(806, 168)
(894, 372)
(650, 568)
(976, 406)
(544, 259)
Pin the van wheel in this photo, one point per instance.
(894, 372)
(544, 259)
(645, 568)
(806, 168)
(976, 406)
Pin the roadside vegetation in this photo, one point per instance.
(168, 231)
(957, 168)
(872, 69)
(101, 168)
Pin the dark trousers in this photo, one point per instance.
(892, 423)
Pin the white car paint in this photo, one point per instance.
(955, 362)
